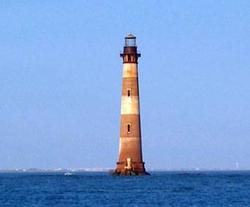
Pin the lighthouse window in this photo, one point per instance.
(129, 58)
(129, 128)
(126, 58)
(129, 92)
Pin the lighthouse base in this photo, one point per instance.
(136, 169)
(129, 173)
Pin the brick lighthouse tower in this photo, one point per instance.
(130, 160)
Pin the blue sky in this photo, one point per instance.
(60, 82)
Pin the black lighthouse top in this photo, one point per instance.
(130, 54)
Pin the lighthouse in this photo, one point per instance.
(130, 161)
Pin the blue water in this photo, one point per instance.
(177, 189)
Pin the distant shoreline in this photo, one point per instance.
(94, 170)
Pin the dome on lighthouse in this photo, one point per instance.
(130, 36)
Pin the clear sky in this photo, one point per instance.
(60, 82)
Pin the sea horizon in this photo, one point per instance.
(82, 170)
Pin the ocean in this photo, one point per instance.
(177, 189)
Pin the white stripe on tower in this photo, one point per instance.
(130, 104)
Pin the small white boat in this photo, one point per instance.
(68, 174)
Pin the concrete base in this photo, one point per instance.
(129, 173)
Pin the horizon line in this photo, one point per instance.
(110, 169)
